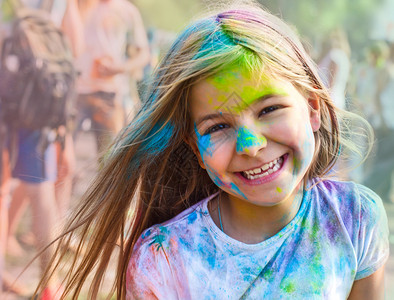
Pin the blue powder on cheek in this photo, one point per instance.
(204, 143)
(231, 186)
(236, 189)
(215, 178)
(307, 149)
(246, 139)
(205, 147)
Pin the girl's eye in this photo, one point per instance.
(269, 109)
(215, 128)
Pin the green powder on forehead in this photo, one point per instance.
(241, 87)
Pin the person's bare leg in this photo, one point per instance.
(17, 207)
(7, 281)
(44, 216)
(64, 182)
(3, 233)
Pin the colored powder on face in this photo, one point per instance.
(240, 88)
(216, 178)
(204, 143)
(247, 138)
(297, 165)
(250, 94)
(205, 146)
(236, 189)
(279, 190)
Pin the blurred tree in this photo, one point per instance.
(171, 15)
(315, 19)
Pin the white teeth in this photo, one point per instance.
(269, 168)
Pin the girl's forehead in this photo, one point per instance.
(236, 87)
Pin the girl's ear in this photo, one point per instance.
(314, 111)
(193, 145)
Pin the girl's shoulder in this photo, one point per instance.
(357, 207)
(357, 211)
(346, 193)
(150, 257)
(189, 220)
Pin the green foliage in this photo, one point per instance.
(315, 19)
(171, 15)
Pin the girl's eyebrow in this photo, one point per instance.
(238, 107)
(260, 99)
(217, 115)
(245, 104)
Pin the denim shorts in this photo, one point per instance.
(33, 165)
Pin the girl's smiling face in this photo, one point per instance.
(254, 134)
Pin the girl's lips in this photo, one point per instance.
(265, 178)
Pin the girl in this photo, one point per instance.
(217, 189)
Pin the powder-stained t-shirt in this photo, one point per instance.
(339, 235)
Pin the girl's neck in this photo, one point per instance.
(252, 224)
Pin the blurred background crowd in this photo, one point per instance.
(113, 46)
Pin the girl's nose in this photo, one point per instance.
(249, 142)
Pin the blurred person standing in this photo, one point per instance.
(334, 67)
(370, 79)
(39, 164)
(4, 194)
(375, 91)
(3, 184)
(104, 64)
(385, 132)
(65, 15)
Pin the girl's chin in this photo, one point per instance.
(258, 200)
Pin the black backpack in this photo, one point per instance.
(36, 76)
(37, 73)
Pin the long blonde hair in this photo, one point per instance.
(150, 174)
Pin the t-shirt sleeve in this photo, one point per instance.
(148, 273)
(373, 244)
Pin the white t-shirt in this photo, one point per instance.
(340, 234)
(105, 34)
